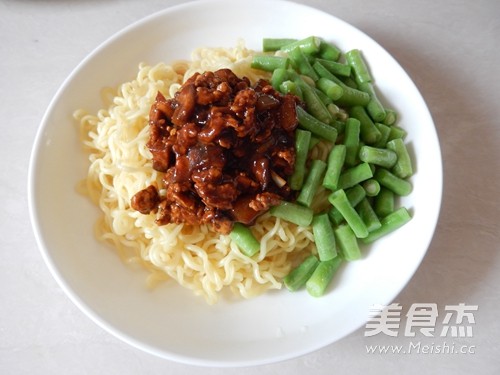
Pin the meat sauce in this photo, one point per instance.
(226, 149)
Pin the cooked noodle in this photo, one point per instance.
(196, 257)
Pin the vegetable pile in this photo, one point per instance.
(366, 169)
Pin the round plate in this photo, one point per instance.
(169, 321)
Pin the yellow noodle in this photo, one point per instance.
(197, 258)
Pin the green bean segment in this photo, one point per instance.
(299, 275)
(322, 276)
(244, 238)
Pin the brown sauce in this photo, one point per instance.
(226, 149)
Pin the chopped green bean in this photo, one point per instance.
(354, 196)
(403, 167)
(330, 88)
(312, 182)
(350, 96)
(384, 202)
(397, 132)
(339, 125)
(335, 163)
(336, 68)
(378, 156)
(290, 87)
(351, 141)
(347, 242)
(393, 182)
(384, 130)
(375, 109)
(348, 81)
(293, 212)
(325, 99)
(368, 215)
(300, 274)
(390, 117)
(309, 45)
(355, 175)
(339, 200)
(244, 238)
(369, 133)
(269, 62)
(315, 126)
(372, 187)
(322, 276)
(301, 63)
(302, 140)
(324, 237)
(358, 65)
(313, 103)
(390, 223)
(274, 44)
(278, 77)
(328, 51)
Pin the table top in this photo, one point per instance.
(450, 50)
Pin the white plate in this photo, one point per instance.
(169, 321)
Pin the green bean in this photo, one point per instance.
(392, 182)
(369, 133)
(290, 87)
(269, 63)
(328, 51)
(325, 99)
(390, 117)
(322, 276)
(403, 167)
(324, 237)
(312, 182)
(313, 103)
(315, 126)
(384, 202)
(336, 68)
(351, 141)
(302, 140)
(379, 156)
(339, 200)
(397, 132)
(274, 44)
(375, 109)
(300, 274)
(348, 81)
(309, 45)
(278, 77)
(390, 223)
(358, 65)
(350, 96)
(330, 88)
(347, 242)
(339, 125)
(354, 196)
(301, 63)
(372, 187)
(368, 215)
(293, 212)
(384, 130)
(335, 163)
(355, 175)
(244, 238)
